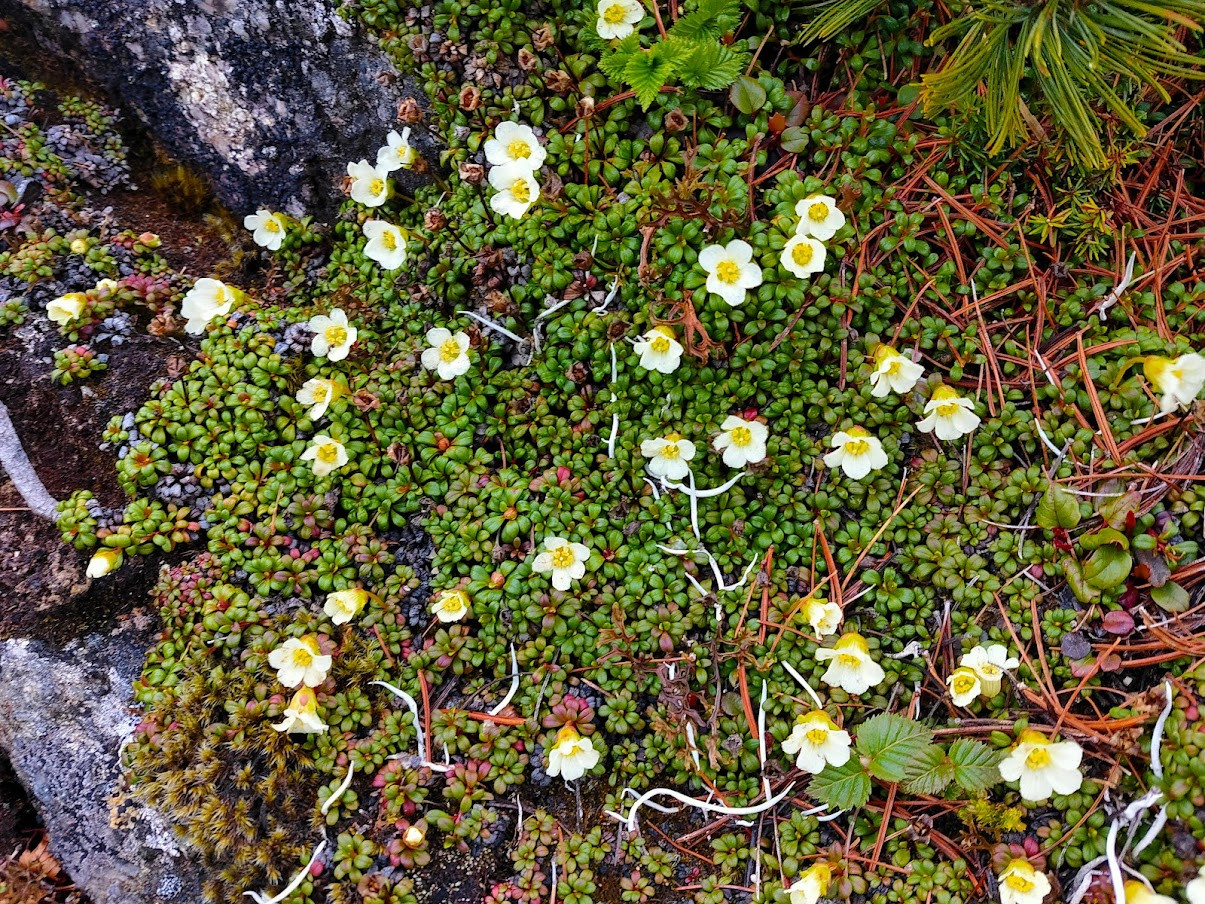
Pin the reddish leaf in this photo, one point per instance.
(1118, 622)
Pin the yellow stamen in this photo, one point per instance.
(818, 212)
(1038, 758)
(389, 239)
(817, 735)
(449, 351)
(741, 436)
(613, 14)
(660, 345)
(520, 191)
(518, 150)
(335, 336)
(802, 254)
(328, 453)
(857, 447)
(728, 272)
(562, 557)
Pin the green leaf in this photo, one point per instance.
(1057, 508)
(614, 62)
(707, 64)
(711, 19)
(841, 787)
(1108, 567)
(647, 71)
(893, 744)
(747, 95)
(794, 140)
(1171, 597)
(976, 766)
(931, 772)
(1074, 573)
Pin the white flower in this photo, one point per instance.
(1195, 889)
(812, 884)
(819, 217)
(824, 617)
(1177, 381)
(572, 756)
(948, 415)
(301, 715)
(103, 561)
(1138, 892)
(333, 335)
(802, 255)
(856, 452)
(207, 299)
(386, 244)
(299, 660)
(669, 456)
(514, 143)
(659, 350)
(66, 308)
(369, 184)
(448, 355)
(730, 270)
(742, 442)
(107, 286)
(318, 394)
(893, 372)
(1020, 883)
(618, 18)
(344, 605)
(818, 742)
(451, 606)
(851, 668)
(965, 685)
(327, 455)
(1042, 766)
(566, 561)
(267, 228)
(396, 153)
(516, 190)
(989, 663)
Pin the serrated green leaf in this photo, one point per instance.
(976, 766)
(647, 71)
(841, 787)
(893, 745)
(747, 95)
(1057, 508)
(614, 62)
(930, 773)
(710, 19)
(707, 64)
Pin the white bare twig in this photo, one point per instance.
(21, 473)
(262, 898)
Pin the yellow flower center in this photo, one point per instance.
(377, 186)
(302, 658)
(818, 212)
(1020, 883)
(849, 660)
(613, 14)
(728, 272)
(817, 735)
(988, 669)
(389, 239)
(949, 409)
(892, 368)
(519, 149)
(562, 557)
(1038, 758)
(449, 351)
(454, 602)
(741, 436)
(271, 224)
(802, 254)
(964, 684)
(857, 447)
(660, 345)
(321, 391)
(335, 336)
(520, 191)
(219, 296)
(328, 453)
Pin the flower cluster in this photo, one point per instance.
(514, 154)
(300, 661)
(979, 673)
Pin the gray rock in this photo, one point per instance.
(270, 98)
(64, 716)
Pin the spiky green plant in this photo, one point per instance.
(1069, 56)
